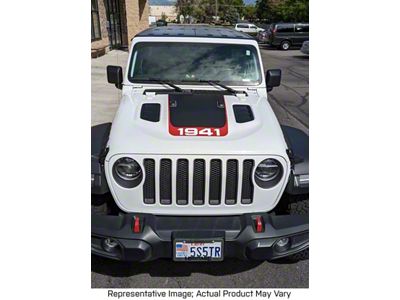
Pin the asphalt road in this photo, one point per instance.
(290, 100)
(290, 103)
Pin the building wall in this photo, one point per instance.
(134, 18)
(103, 42)
(137, 17)
(168, 10)
(124, 26)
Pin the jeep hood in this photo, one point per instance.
(201, 123)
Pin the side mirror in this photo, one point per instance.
(114, 75)
(273, 78)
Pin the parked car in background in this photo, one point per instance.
(263, 36)
(248, 28)
(161, 23)
(286, 35)
(304, 48)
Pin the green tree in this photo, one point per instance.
(231, 10)
(264, 10)
(250, 12)
(204, 10)
(292, 11)
(185, 7)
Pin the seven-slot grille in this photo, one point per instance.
(198, 181)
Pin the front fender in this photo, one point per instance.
(297, 142)
(100, 134)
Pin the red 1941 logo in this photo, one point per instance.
(188, 131)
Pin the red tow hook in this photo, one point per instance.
(259, 224)
(136, 224)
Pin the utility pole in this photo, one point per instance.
(216, 10)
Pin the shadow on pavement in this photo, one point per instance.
(267, 47)
(169, 268)
(303, 57)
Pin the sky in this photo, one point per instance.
(172, 2)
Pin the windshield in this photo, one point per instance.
(231, 64)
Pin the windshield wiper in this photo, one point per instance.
(214, 82)
(175, 87)
(229, 89)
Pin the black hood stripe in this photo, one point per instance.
(197, 110)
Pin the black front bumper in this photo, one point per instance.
(158, 233)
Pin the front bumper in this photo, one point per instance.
(157, 233)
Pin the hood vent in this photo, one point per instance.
(243, 113)
(150, 112)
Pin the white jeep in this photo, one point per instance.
(195, 166)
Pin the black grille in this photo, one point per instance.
(231, 181)
(247, 183)
(198, 181)
(182, 181)
(215, 182)
(149, 185)
(215, 168)
(165, 181)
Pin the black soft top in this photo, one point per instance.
(194, 31)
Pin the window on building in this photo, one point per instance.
(96, 33)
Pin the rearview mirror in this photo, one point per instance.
(114, 75)
(273, 78)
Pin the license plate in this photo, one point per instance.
(198, 250)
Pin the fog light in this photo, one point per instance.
(282, 244)
(110, 245)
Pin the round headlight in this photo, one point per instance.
(127, 168)
(268, 169)
(268, 173)
(127, 172)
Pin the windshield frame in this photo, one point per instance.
(195, 82)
